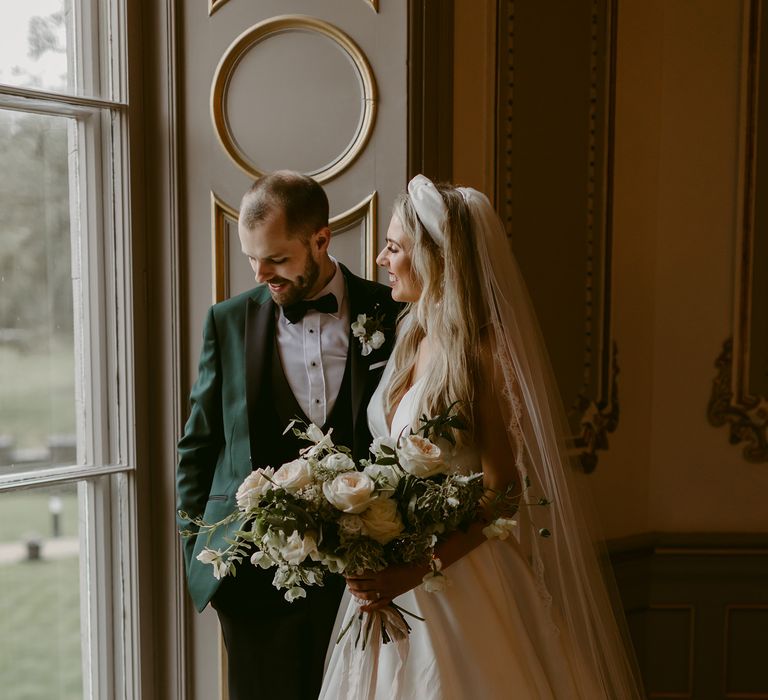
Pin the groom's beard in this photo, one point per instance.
(297, 289)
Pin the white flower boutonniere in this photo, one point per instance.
(367, 329)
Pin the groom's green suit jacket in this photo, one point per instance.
(226, 425)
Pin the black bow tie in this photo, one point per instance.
(326, 303)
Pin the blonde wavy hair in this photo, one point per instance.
(450, 311)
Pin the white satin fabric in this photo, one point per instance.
(489, 635)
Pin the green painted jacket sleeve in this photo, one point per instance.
(203, 438)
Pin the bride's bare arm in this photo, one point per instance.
(497, 460)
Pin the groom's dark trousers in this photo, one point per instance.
(240, 405)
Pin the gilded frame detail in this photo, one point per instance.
(261, 31)
(214, 5)
(732, 400)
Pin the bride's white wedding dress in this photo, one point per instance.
(490, 634)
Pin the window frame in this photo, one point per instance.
(102, 272)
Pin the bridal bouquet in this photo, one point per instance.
(323, 512)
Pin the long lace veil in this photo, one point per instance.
(573, 576)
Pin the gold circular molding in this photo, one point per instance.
(258, 32)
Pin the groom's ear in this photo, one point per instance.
(321, 239)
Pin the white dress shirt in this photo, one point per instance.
(313, 352)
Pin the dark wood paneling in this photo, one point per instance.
(697, 611)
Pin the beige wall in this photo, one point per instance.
(676, 171)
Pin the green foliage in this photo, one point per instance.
(35, 269)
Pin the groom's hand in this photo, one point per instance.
(381, 587)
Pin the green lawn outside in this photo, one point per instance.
(25, 513)
(37, 393)
(40, 657)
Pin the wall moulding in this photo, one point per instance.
(279, 26)
(739, 395)
(568, 264)
(224, 216)
(214, 5)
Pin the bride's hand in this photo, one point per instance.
(381, 587)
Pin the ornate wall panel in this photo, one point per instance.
(697, 610)
(740, 389)
(556, 90)
(268, 84)
(327, 104)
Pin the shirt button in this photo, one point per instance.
(317, 400)
(314, 364)
(311, 330)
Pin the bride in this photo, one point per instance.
(524, 617)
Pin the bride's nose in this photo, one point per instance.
(381, 258)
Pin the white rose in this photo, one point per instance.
(358, 327)
(351, 524)
(297, 548)
(420, 457)
(338, 462)
(382, 521)
(350, 492)
(387, 472)
(293, 475)
(255, 485)
(377, 340)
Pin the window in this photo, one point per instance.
(67, 506)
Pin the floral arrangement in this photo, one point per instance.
(368, 331)
(323, 513)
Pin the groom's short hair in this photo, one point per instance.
(302, 200)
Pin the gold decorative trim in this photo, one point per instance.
(732, 400)
(374, 4)
(214, 5)
(221, 213)
(365, 211)
(259, 32)
(746, 416)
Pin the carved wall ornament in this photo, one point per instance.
(747, 418)
(740, 390)
(598, 418)
(279, 26)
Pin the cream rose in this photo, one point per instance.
(255, 485)
(338, 462)
(297, 548)
(293, 475)
(382, 520)
(420, 457)
(350, 492)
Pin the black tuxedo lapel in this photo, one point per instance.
(259, 338)
(359, 303)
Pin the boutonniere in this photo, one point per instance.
(367, 329)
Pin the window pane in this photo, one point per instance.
(34, 44)
(37, 375)
(40, 633)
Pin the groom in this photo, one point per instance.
(281, 350)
